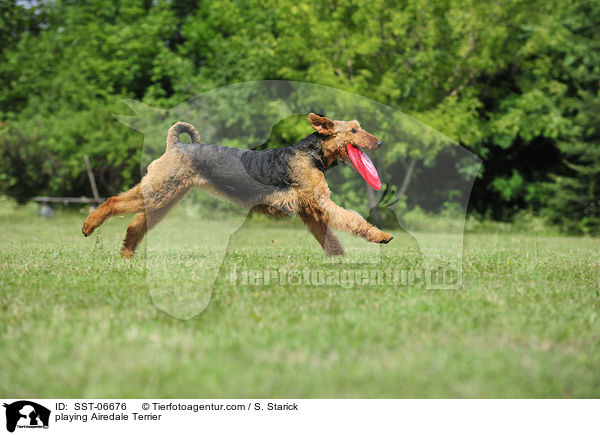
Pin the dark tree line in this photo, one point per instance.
(515, 81)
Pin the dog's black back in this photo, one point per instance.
(250, 175)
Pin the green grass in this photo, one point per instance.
(77, 321)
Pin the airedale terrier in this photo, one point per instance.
(278, 182)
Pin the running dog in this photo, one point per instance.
(279, 182)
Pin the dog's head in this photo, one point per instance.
(338, 134)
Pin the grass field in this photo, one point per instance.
(77, 321)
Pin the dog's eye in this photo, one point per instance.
(353, 130)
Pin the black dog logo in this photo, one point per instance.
(31, 412)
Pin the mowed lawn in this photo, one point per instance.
(77, 321)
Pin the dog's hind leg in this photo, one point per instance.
(158, 204)
(323, 233)
(131, 201)
(135, 233)
(144, 222)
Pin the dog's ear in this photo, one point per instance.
(322, 124)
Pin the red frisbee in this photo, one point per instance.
(364, 166)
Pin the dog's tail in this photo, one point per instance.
(182, 127)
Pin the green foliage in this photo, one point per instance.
(514, 81)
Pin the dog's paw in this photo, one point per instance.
(386, 238)
(335, 253)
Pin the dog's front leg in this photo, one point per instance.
(353, 223)
(323, 233)
(315, 187)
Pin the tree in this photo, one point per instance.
(514, 81)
